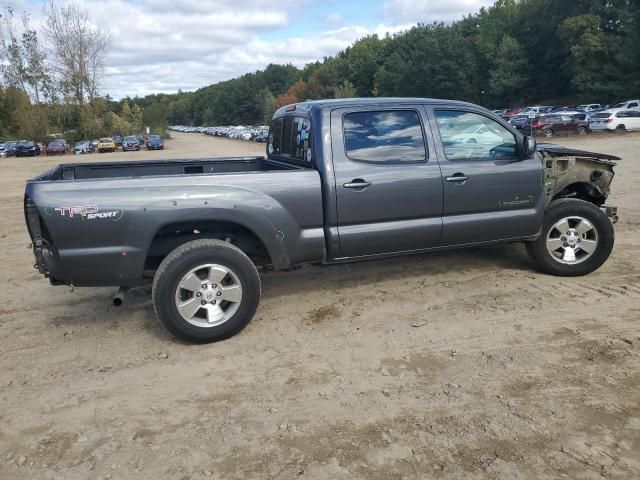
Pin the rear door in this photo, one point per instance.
(490, 193)
(388, 182)
(632, 122)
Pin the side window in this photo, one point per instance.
(633, 105)
(467, 135)
(290, 137)
(384, 137)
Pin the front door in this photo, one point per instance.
(490, 193)
(388, 182)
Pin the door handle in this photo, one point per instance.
(357, 183)
(458, 178)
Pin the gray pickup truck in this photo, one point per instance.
(343, 180)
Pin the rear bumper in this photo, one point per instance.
(46, 255)
(48, 262)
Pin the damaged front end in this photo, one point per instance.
(578, 174)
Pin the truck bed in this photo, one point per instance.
(129, 169)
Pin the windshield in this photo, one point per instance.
(131, 139)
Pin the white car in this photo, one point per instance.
(618, 120)
(475, 134)
(589, 107)
(628, 104)
(539, 110)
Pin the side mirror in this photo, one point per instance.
(529, 146)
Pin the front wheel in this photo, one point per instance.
(206, 290)
(582, 130)
(547, 132)
(577, 238)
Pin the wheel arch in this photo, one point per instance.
(171, 235)
(582, 191)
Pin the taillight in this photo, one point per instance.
(608, 120)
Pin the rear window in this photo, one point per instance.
(290, 138)
(601, 115)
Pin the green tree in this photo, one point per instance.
(589, 51)
(137, 119)
(509, 66)
(267, 103)
(346, 90)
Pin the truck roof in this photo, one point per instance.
(309, 105)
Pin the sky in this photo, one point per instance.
(162, 46)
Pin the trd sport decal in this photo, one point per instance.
(88, 212)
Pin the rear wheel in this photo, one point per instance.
(547, 132)
(205, 291)
(621, 129)
(577, 238)
(582, 131)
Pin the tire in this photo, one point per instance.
(620, 129)
(582, 130)
(600, 237)
(547, 132)
(199, 257)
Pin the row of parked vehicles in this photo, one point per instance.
(129, 143)
(258, 134)
(30, 148)
(549, 121)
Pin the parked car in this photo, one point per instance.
(618, 120)
(84, 146)
(141, 140)
(57, 147)
(106, 144)
(357, 184)
(8, 148)
(512, 111)
(589, 107)
(155, 143)
(565, 108)
(553, 124)
(130, 143)
(628, 104)
(118, 140)
(521, 122)
(537, 110)
(27, 148)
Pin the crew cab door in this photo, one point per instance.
(490, 192)
(388, 184)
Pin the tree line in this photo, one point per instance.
(512, 53)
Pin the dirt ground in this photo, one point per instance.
(453, 365)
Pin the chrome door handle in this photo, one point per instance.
(458, 178)
(357, 183)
